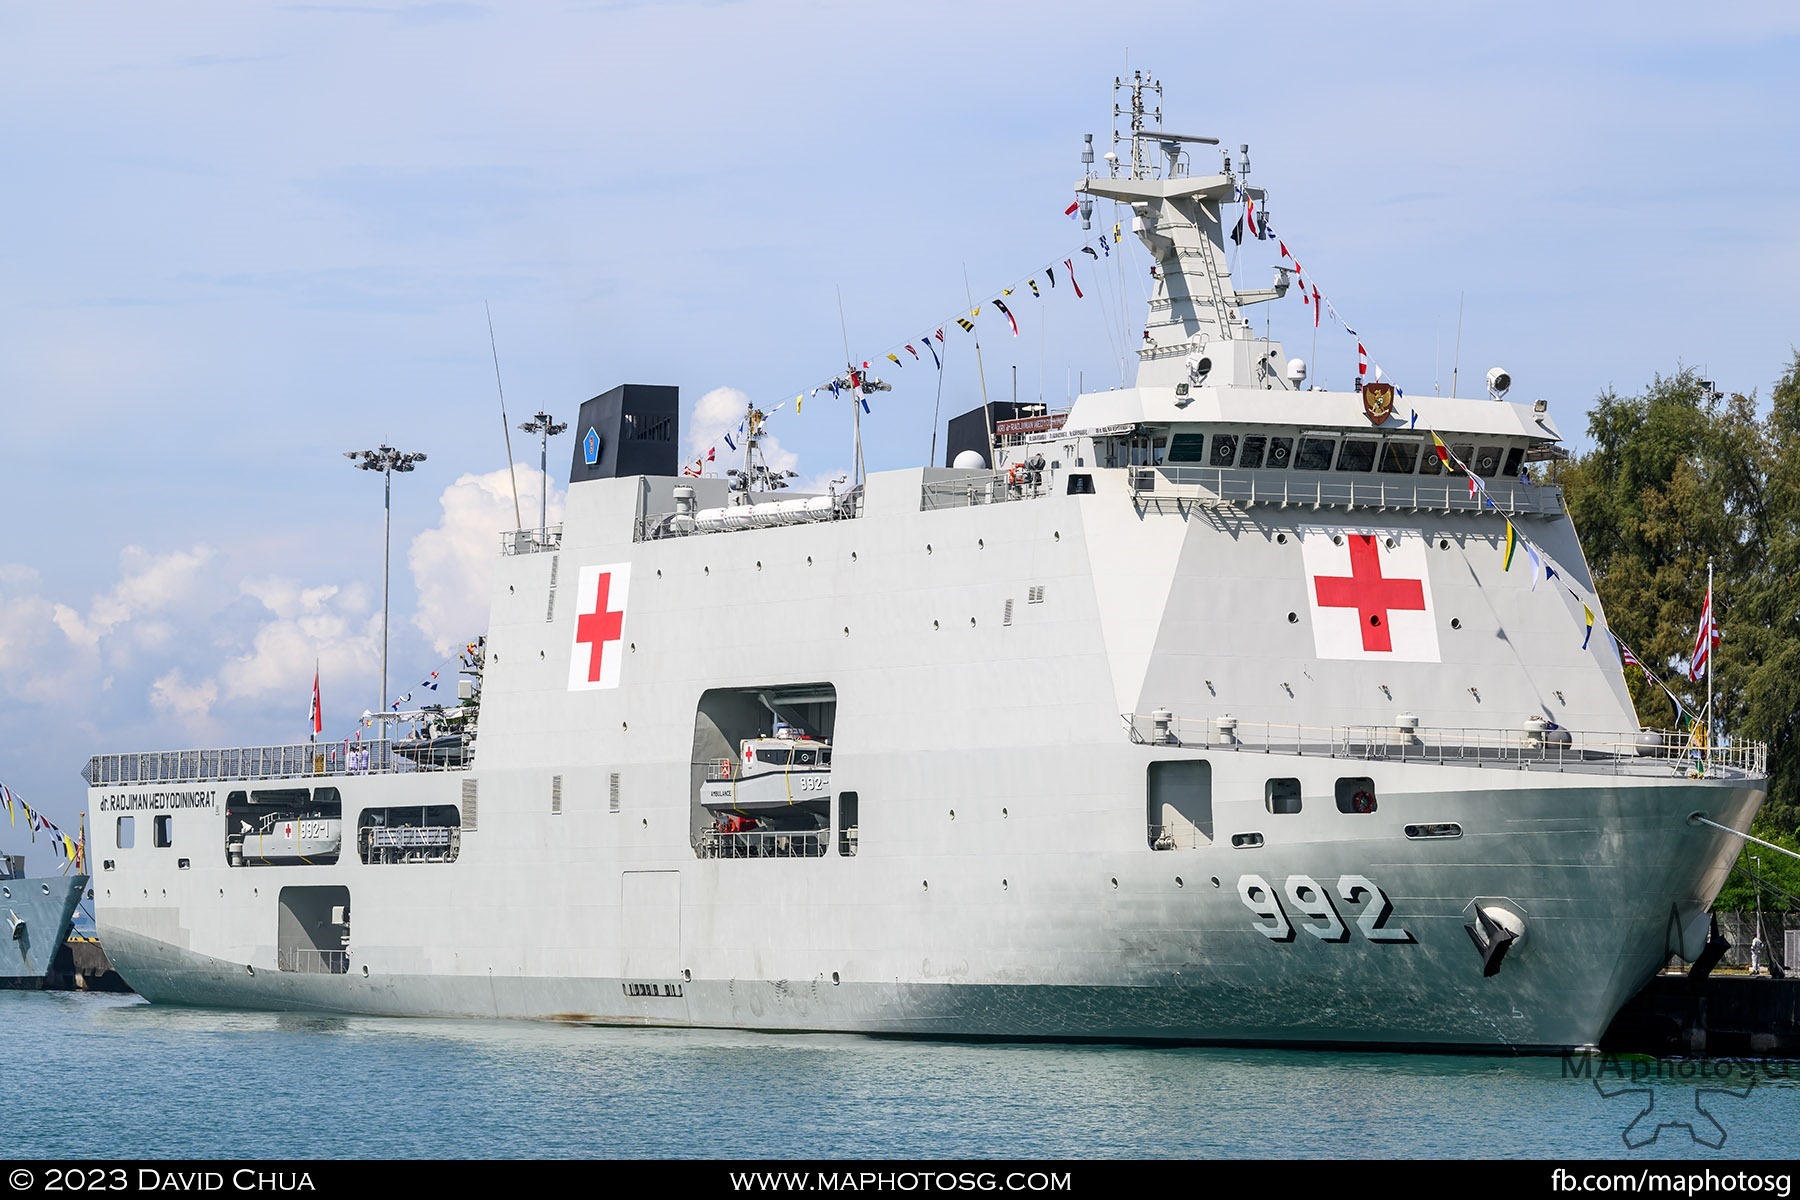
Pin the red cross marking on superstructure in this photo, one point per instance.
(599, 627)
(1371, 595)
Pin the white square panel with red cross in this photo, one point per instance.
(1370, 595)
(599, 645)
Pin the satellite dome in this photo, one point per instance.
(970, 460)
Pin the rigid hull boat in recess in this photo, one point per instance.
(1204, 711)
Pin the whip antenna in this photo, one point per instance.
(518, 521)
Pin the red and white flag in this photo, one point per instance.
(317, 720)
(1704, 640)
(1362, 360)
(1315, 302)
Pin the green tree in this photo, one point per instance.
(1678, 476)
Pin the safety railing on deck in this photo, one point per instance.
(313, 962)
(530, 541)
(762, 843)
(254, 762)
(1651, 752)
(1215, 486)
(996, 488)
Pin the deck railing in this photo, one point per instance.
(1650, 752)
(994, 488)
(531, 541)
(1216, 486)
(253, 762)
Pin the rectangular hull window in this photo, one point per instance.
(1180, 804)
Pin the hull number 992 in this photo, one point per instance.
(1314, 911)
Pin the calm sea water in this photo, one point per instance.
(102, 1076)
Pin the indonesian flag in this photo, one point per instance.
(317, 719)
(1073, 205)
(1704, 640)
(1362, 360)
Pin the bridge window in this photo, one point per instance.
(1252, 453)
(162, 829)
(1397, 458)
(1224, 448)
(1315, 454)
(1187, 448)
(125, 836)
(1515, 458)
(1358, 454)
(1281, 452)
(1431, 464)
(774, 757)
(1487, 462)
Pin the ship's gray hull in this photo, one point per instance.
(34, 924)
(1091, 943)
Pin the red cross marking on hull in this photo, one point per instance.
(1371, 595)
(599, 627)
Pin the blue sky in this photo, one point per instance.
(243, 239)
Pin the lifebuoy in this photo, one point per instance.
(1362, 802)
(1015, 474)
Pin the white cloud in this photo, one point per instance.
(189, 702)
(148, 583)
(453, 563)
(720, 412)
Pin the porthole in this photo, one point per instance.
(1456, 622)
(834, 979)
(1443, 543)
(1115, 883)
(687, 976)
(971, 622)
(808, 561)
(1215, 881)
(1003, 814)
(1056, 535)
(1003, 885)
(365, 970)
(634, 647)
(659, 572)
(981, 543)
(928, 547)
(846, 631)
(953, 814)
(540, 656)
(925, 885)
(935, 625)
(759, 564)
(1178, 884)
(1390, 543)
(1293, 618)
(853, 556)
(623, 726)
(1337, 539)
(509, 589)
(706, 570)
(1281, 539)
